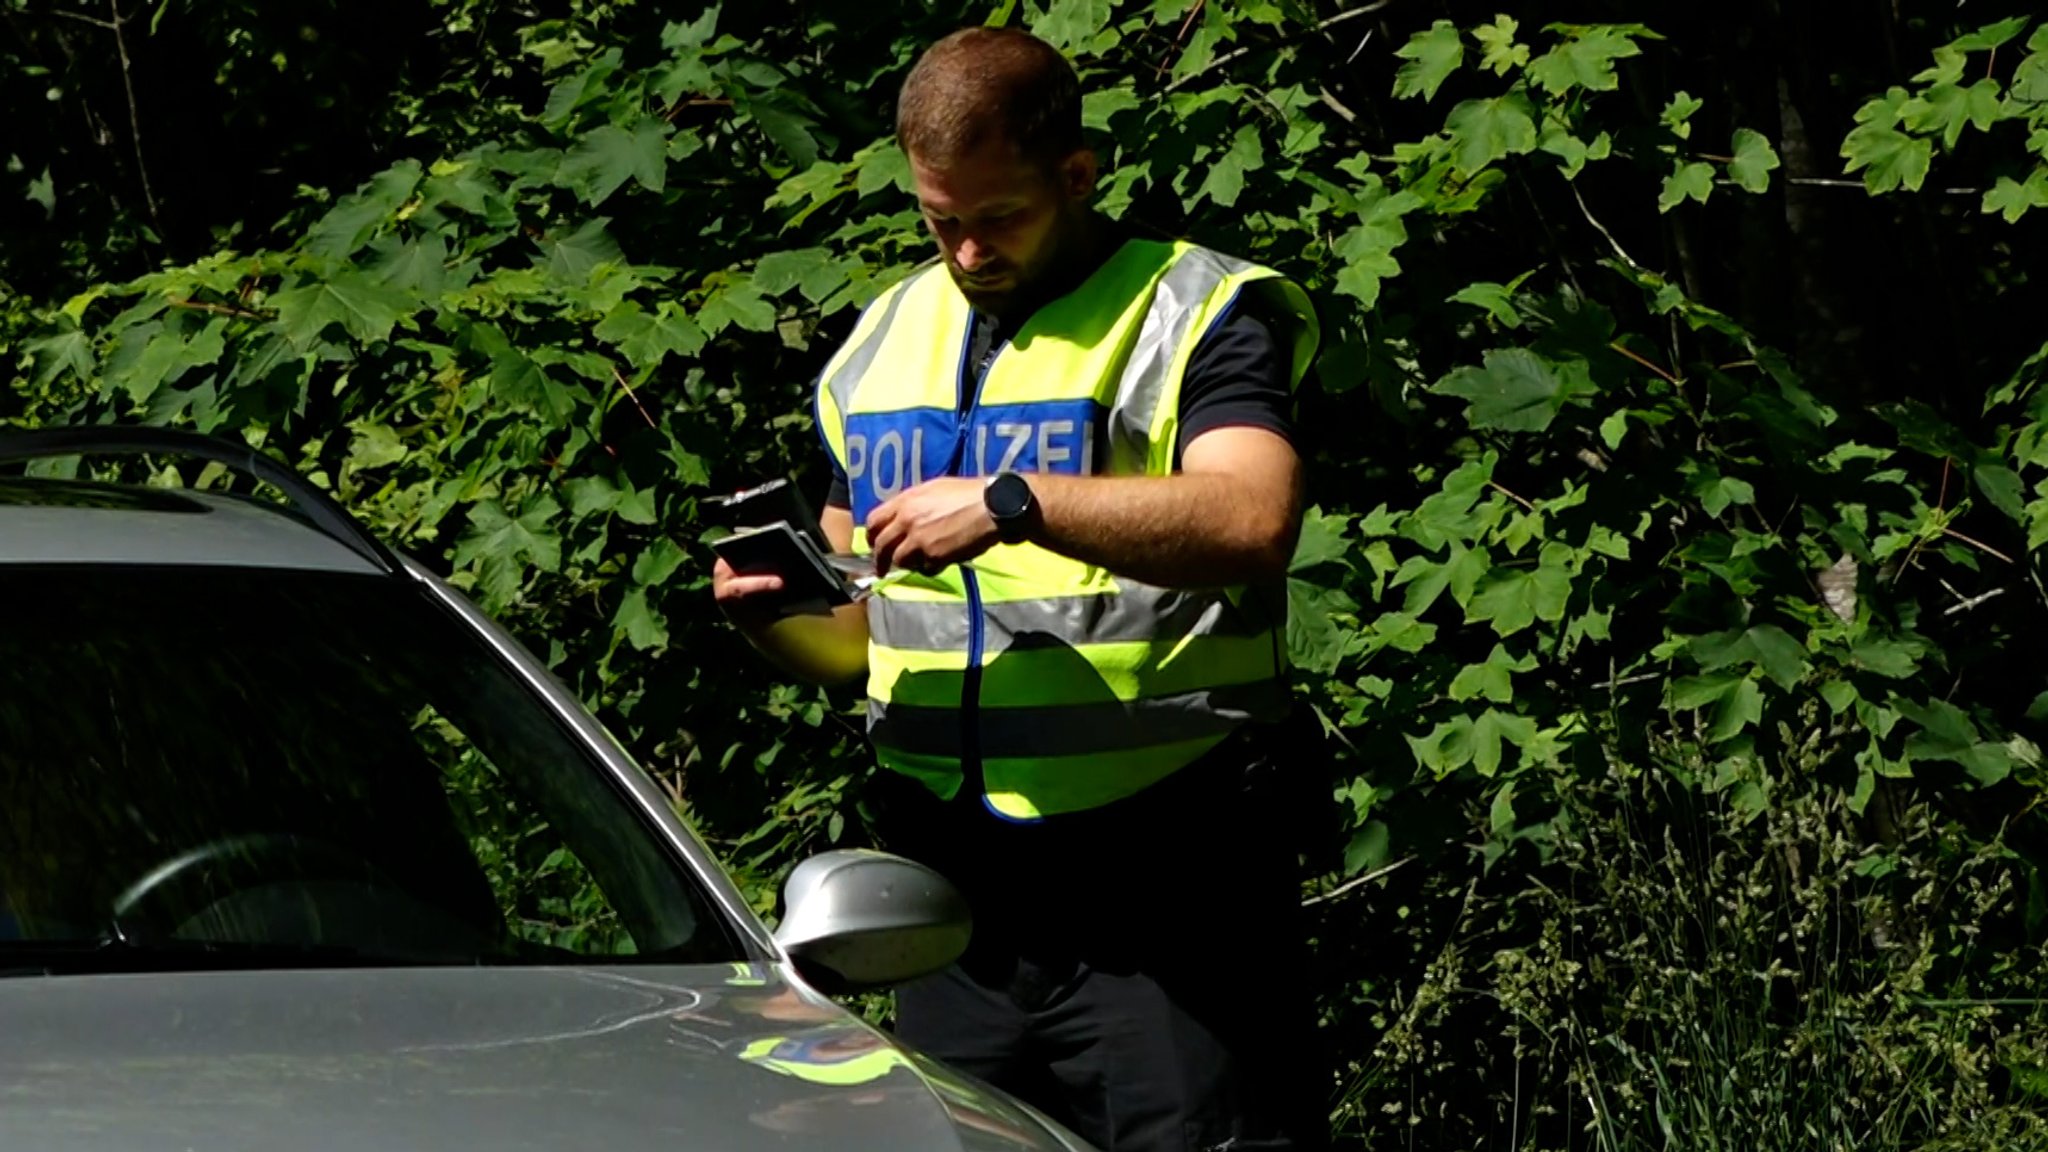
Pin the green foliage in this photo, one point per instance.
(1432, 56)
(1591, 512)
(1725, 975)
(1896, 141)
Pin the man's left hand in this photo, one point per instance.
(936, 524)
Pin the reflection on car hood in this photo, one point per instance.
(410, 1060)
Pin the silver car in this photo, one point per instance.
(299, 850)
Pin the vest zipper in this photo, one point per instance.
(971, 776)
(970, 694)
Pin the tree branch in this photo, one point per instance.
(1179, 38)
(81, 18)
(1536, 206)
(634, 397)
(1354, 882)
(1827, 182)
(134, 118)
(220, 309)
(1979, 545)
(1337, 106)
(1618, 346)
(1602, 229)
(1496, 486)
(1248, 49)
(1965, 603)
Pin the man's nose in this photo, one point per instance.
(971, 254)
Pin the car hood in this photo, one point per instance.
(409, 1060)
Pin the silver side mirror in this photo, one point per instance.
(855, 920)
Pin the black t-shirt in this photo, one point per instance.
(1236, 377)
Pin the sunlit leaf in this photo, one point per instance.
(646, 339)
(573, 255)
(1585, 59)
(1322, 540)
(1316, 640)
(1515, 391)
(1431, 55)
(2012, 199)
(1501, 53)
(1483, 131)
(365, 309)
(609, 156)
(1067, 23)
(1754, 161)
(504, 548)
(1949, 107)
(1694, 181)
(1889, 159)
(1226, 174)
(351, 222)
(1492, 680)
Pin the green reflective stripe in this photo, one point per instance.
(1028, 789)
(1127, 670)
(1028, 572)
(1062, 674)
(1138, 612)
(1108, 726)
(945, 587)
(926, 679)
(1177, 300)
(847, 377)
(790, 1055)
(940, 774)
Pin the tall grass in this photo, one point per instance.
(1750, 969)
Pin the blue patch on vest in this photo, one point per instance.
(891, 452)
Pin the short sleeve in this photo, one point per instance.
(840, 495)
(1237, 377)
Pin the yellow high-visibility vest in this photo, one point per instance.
(1053, 685)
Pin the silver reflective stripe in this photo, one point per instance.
(1139, 612)
(1078, 729)
(847, 379)
(1176, 301)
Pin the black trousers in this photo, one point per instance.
(1137, 971)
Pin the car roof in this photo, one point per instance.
(45, 521)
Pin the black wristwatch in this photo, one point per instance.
(1011, 505)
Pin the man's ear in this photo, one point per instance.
(1077, 174)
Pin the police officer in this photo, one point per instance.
(1071, 443)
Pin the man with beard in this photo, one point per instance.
(1071, 443)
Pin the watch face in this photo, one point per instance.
(1008, 496)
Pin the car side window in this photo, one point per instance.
(312, 761)
(544, 889)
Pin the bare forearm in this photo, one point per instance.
(1182, 531)
(823, 649)
(1229, 516)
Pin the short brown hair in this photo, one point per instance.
(980, 85)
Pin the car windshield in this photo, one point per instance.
(220, 767)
